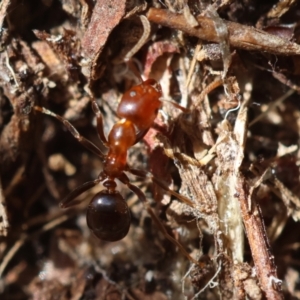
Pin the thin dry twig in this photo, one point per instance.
(240, 36)
(260, 248)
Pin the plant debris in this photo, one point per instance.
(219, 167)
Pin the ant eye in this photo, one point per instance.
(132, 94)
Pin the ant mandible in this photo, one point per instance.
(108, 215)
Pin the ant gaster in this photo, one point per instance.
(108, 215)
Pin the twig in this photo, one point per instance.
(240, 36)
(142, 40)
(258, 241)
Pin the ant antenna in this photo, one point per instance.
(135, 67)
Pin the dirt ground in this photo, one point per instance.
(220, 163)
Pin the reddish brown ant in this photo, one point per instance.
(108, 215)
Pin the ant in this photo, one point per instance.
(108, 215)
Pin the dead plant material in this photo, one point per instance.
(224, 148)
(240, 36)
(105, 17)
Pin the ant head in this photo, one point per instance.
(108, 216)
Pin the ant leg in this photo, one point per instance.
(82, 140)
(99, 119)
(124, 179)
(140, 135)
(70, 199)
(161, 184)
